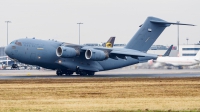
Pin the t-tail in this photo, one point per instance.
(148, 33)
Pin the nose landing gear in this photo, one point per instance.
(59, 72)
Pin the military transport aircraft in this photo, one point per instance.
(68, 58)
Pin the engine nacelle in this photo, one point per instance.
(95, 55)
(66, 52)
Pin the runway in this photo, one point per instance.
(119, 73)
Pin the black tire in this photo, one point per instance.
(91, 73)
(83, 73)
(68, 72)
(59, 73)
(180, 67)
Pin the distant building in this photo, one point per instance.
(92, 44)
(189, 49)
(119, 45)
(161, 47)
(2, 51)
(174, 53)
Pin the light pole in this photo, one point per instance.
(7, 29)
(79, 31)
(178, 35)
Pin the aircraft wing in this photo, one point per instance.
(97, 48)
(114, 53)
(131, 53)
(72, 45)
(121, 53)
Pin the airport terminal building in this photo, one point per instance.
(2, 51)
(189, 49)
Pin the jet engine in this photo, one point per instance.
(95, 55)
(66, 52)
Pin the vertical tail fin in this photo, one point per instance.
(110, 42)
(168, 51)
(148, 33)
(197, 57)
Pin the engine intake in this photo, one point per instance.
(66, 52)
(95, 55)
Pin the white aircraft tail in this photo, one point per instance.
(197, 57)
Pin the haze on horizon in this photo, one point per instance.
(50, 19)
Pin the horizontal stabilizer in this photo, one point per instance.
(165, 22)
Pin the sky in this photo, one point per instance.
(57, 19)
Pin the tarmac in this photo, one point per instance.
(118, 73)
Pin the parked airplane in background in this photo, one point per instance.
(68, 58)
(177, 61)
(109, 43)
(150, 62)
(167, 53)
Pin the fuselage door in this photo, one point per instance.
(33, 57)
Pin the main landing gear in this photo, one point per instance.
(64, 72)
(180, 67)
(84, 73)
(60, 72)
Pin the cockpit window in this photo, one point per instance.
(11, 42)
(18, 43)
